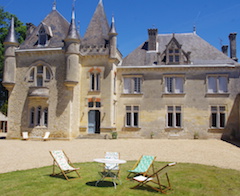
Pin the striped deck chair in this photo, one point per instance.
(61, 160)
(142, 166)
(153, 181)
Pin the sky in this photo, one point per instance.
(213, 19)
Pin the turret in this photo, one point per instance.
(72, 44)
(10, 45)
(113, 39)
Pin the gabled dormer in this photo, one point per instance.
(44, 35)
(174, 54)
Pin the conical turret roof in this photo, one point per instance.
(73, 32)
(98, 29)
(11, 36)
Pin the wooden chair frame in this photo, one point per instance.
(64, 172)
(155, 179)
(141, 173)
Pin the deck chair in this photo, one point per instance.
(142, 166)
(61, 160)
(25, 136)
(153, 181)
(46, 136)
(110, 170)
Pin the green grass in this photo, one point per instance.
(186, 179)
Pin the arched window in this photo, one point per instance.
(39, 75)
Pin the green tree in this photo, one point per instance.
(5, 18)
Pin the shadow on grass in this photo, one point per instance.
(101, 184)
(62, 177)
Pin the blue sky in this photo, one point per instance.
(214, 19)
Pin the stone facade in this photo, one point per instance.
(172, 86)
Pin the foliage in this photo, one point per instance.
(5, 19)
(186, 179)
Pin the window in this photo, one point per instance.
(174, 55)
(95, 81)
(174, 116)
(132, 85)
(217, 84)
(218, 116)
(132, 116)
(39, 75)
(94, 104)
(38, 116)
(174, 84)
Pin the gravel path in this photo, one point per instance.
(21, 155)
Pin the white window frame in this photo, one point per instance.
(217, 84)
(132, 85)
(132, 112)
(216, 112)
(174, 84)
(174, 111)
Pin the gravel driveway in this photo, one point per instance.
(21, 155)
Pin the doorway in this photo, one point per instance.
(94, 122)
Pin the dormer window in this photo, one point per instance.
(44, 35)
(174, 55)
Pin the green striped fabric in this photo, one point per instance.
(143, 164)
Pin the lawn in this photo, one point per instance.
(186, 179)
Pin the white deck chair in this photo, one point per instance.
(61, 160)
(25, 136)
(46, 136)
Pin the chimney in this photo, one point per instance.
(233, 47)
(152, 39)
(225, 49)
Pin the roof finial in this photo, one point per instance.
(54, 5)
(100, 2)
(73, 9)
(194, 29)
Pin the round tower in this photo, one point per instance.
(72, 44)
(10, 45)
(113, 39)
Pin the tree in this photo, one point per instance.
(5, 18)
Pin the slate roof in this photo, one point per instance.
(59, 27)
(202, 53)
(98, 29)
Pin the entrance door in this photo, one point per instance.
(94, 121)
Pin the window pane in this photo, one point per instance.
(127, 85)
(135, 119)
(222, 120)
(170, 119)
(222, 84)
(32, 116)
(128, 108)
(214, 120)
(170, 108)
(169, 85)
(47, 74)
(40, 69)
(46, 116)
(135, 108)
(92, 82)
(39, 81)
(178, 85)
(178, 119)
(212, 85)
(32, 75)
(90, 104)
(170, 51)
(98, 82)
(137, 85)
(98, 104)
(39, 116)
(170, 58)
(128, 119)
